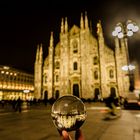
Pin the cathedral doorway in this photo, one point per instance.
(96, 94)
(113, 92)
(57, 94)
(46, 95)
(76, 90)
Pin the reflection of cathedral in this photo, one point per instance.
(81, 64)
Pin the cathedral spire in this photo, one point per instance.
(90, 26)
(41, 48)
(82, 21)
(37, 53)
(40, 53)
(66, 25)
(51, 40)
(86, 21)
(62, 25)
(99, 29)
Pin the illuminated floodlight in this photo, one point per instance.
(120, 35)
(135, 29)
(130, 26)
(114, 33)
(125, 68)
(26, 91)
(129, 67)
(125, 30)
(118, 29)
(129, 33)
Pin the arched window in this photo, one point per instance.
(45, 79)
(95, 60)
(46, 95)
(111, 73)
(96, 74)
(75, 46)
(57, 65)
(75, 67)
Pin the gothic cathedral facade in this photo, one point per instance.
(81, 65)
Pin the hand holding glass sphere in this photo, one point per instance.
(68, 113)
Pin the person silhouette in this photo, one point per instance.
(111, 101)
(18, 105)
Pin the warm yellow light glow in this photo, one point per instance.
(2, 72)
(7, 72)
(6, 68)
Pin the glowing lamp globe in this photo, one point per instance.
(68, 113)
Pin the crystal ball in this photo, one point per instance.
(68, 113)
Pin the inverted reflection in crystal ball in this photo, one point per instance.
(68, 113)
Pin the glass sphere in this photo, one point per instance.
(68, 113)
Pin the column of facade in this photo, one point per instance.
(103, 73)
(64, 58)
(51, 68)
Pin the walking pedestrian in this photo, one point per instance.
(18, 105)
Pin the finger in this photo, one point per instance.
(79, 135)
(65, 135)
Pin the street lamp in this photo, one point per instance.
(123, 31)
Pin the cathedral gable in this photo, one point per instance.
(46, 62)
(74, 30)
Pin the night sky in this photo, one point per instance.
(23, 25)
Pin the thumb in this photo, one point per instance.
(65, 135)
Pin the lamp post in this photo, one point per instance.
(123, 31)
